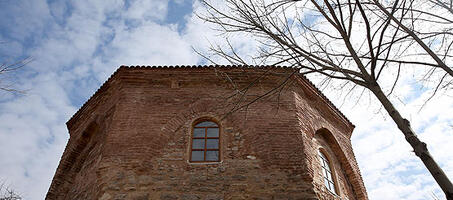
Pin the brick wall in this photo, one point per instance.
(143, 118)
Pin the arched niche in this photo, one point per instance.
(347, 162)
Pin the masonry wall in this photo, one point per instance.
(321, 129)
(77, 175)
(142, 143)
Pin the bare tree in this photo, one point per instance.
(360, 44)
(7, 193)
(6, 69)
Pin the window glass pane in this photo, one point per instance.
(329, 176)
(213, 144)
(213, 132)
(324, 172)
(327, 165)
(323, 162)
(198, 144)
(198, 132)
(197, 155)
(205, 124)
(332, 187)
(212, 155)
(326, 183)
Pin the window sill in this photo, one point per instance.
(204, 163)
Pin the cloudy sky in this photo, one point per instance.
(76, 45)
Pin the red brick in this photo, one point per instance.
(131, 139)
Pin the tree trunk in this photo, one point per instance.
(419, 147)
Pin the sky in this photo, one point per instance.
(76, 45)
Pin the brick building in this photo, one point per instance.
(208, 132)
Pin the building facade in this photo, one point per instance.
(208, 132)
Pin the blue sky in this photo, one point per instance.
(77, 45)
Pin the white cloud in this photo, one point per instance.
(149, 44)
(77, 46)
(147, 10)
(34, 15)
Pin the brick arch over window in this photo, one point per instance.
(201, 107)
(347, 163)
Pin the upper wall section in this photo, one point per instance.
(125, 72)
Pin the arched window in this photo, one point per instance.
(327, 172)
(205, 142)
